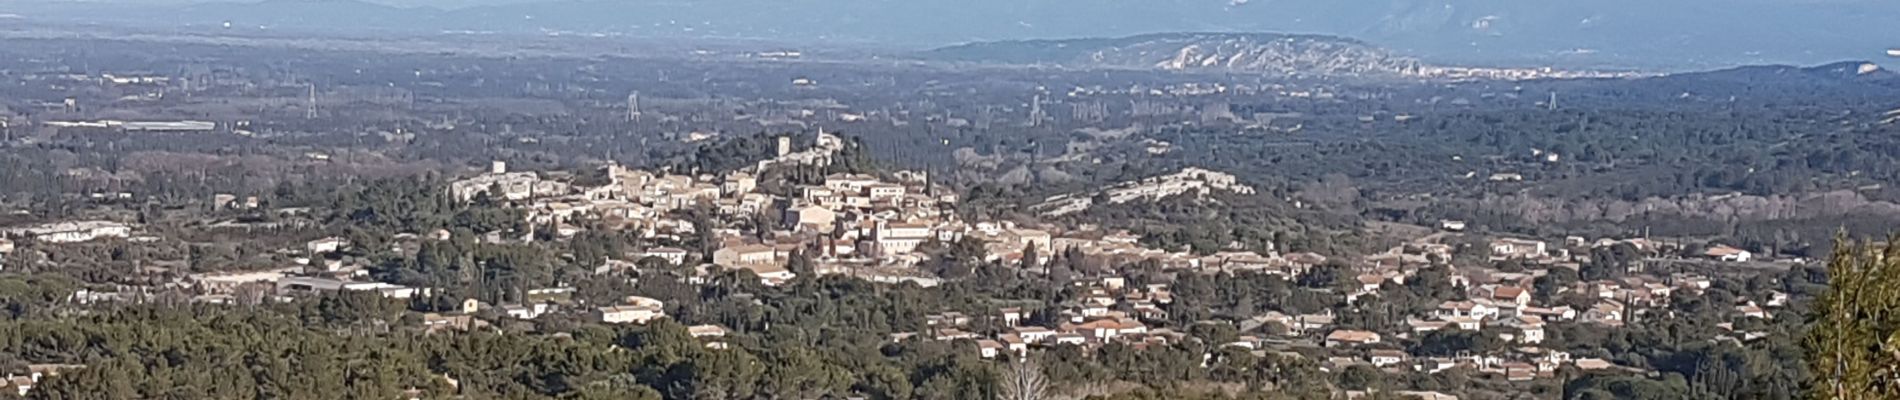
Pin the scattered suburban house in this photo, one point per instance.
(518, 311)
(437, 323)
(673, 255)
(1657, 290)
(1517, 248)
(227, 282)
(1148, 311)
(1423, 326)
(308, 284)
(1312, 322)
(702, 331)
(1512, 296)
(811, 217)
(949, 334)
(743, 255)
(1386, 358)
(1776, 299)
(636, 310)
(884, 192)
(1423, 395)
(1435, 365)
(1345, 337)
(22, 384)
(1091, 311)
(771, 274)
(1469, 308)
(1012, 316)
(1452, 225)
(551, 295)
(1369, 283)
(1034, 334)
(72, 232)
(1519, 372)
(1590, 364)
(1014, 343)
(1605, 313)
(512, 185)
(1530, 329)
(1726, 253)
(738, 183)
(948, 318)
(1107, 329)
(1560, 313)
(1465, 323)
(1340, 363)
(989, 348)
(1750, 310)
(326, 245)
(1691, 281)
(610, 266)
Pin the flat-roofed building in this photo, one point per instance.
(72, 232)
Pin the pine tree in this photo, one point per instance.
(1854, 345)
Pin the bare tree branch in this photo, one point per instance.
(1023, 380)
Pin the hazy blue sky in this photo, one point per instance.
(471, 3)
(398, 3)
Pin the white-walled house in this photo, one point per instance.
(1728, 254)
(72, 232)
(638, 310)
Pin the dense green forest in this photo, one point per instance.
(820, 337)
(802, 344)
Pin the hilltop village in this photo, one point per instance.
(1441, 302)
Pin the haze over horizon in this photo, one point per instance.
(1668, 34)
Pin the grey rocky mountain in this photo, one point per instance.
(1673, 34)
(1217, 52)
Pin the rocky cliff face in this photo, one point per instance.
(1211, 52)
(1745, 208)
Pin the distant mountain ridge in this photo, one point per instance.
(1226, 52)
(1856, 73)
(1670, 34)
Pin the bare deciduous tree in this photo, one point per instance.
(1023, 380)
